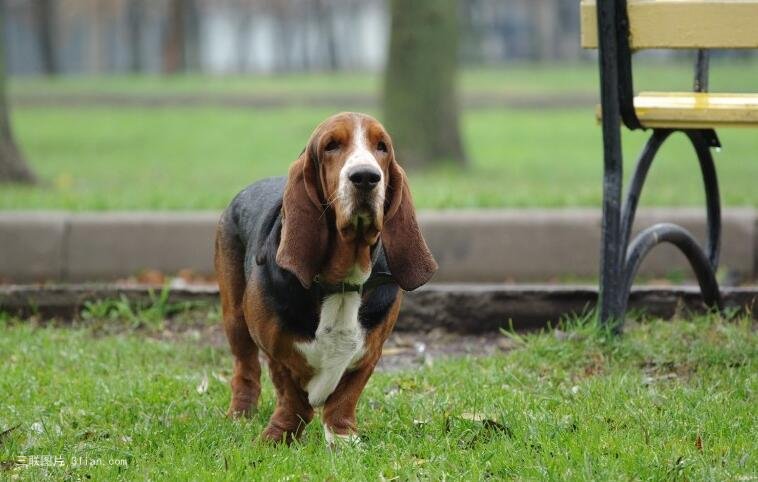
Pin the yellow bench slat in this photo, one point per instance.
(682, 24)
(696, 110)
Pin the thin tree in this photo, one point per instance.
(44, 19)
(420, 89)
(192, 35)
(135, 17)
(284, 24)
(180, 46)
(243, 11)
(13, 166)
(324, 10)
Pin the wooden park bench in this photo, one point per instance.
(625, 26)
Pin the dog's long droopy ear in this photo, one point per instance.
(305, 233)
(408, 256)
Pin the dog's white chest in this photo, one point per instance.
(339, 343)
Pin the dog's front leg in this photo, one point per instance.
(292, 412)
(339, 409)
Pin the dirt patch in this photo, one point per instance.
(403, 350)
(414, 349)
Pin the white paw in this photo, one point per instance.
(338, 440)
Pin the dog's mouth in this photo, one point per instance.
(364, 219)
(364, 205)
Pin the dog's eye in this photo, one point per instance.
(381, 146)
(332, 146)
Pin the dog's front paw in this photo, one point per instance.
(236, 413)
(276, 435)
(241, 408)
(336, 439)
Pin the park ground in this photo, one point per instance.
(146, 400)
(131, 143)
(124, 392)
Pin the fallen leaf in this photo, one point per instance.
(487, 423)
(699, 443)
(403, 340)
(394, 350)
(506, 344)
(151, 277)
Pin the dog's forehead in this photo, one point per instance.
(374, 129)
(348, 123)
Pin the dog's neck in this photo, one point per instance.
(349, 259)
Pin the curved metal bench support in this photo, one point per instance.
(701, 142)
(682, 239)
(703, 262)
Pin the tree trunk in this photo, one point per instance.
(420, 91)
(13, 167)
(325, 22)
(244, 28)
(191, 35)
(285, 46)
(181, 42)
(44, 19)
(173, 46)
(546, 27)
(135, 17)
(97, 46)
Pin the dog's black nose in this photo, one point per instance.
(365, 178)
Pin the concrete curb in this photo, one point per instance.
(470, 246)
(461, 308)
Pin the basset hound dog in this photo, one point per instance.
(310, 270)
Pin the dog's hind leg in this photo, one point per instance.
(246, 380)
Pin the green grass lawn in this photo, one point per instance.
(667, 401)
(198, 158)
(727, 75)
(182, 158)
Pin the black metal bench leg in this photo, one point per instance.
(611, 251)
